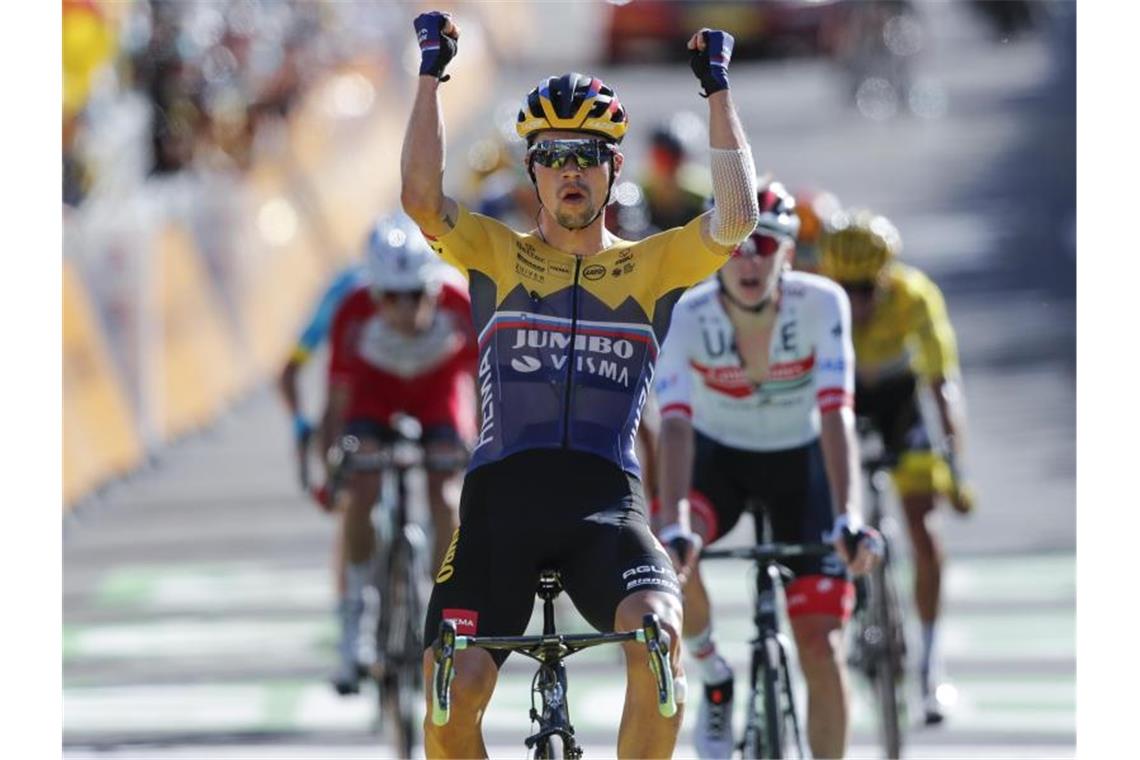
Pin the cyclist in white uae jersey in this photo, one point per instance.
(755, 383)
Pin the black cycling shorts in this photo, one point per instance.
(892, 408)
(545, 508)
(789, 487)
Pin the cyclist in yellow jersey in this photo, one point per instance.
(570, 319)
(903, 340)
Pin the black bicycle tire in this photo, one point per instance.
(773, 744)
(411, 683)
(751, 741)
(401, 684)
(890, 671)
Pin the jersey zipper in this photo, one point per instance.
(568, 399)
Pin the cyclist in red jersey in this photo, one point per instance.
(404, 343)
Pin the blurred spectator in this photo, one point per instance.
(498, 183)
(1008, 18)
(627, 216)
(675, 187)
(88, 41)
(876, 45)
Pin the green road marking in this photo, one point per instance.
(174, 638)
(596, 703)
(124, 588)
(215, 586)
(280, 704)
(1037, 704)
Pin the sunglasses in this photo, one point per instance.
(759, 244)
(865, 288)
(554, 154)
(396, 296)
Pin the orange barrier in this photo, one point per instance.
(100, 438)
(309, 212)
(195, 368)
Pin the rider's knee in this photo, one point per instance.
(633, 609)
(818, 643)
(474, 679)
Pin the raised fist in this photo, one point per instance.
(438, 36)
(710, 51)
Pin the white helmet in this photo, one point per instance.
(399, 259)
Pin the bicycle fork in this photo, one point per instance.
(770, 678)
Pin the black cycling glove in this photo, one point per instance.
(436, 48)
(711, 64)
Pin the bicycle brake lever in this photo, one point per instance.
(443, 652)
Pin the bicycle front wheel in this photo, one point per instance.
(400, 642)
(770, 732)
(889, 671)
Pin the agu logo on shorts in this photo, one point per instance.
(651, 574)
(446, 569)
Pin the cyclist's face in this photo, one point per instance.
(752, 273)
(407, 313)
(571, 193)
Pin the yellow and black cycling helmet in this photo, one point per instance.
(572, 101)
(855, 246)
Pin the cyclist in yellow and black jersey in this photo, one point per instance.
(903, 341)
(570, 319)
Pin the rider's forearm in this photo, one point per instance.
(841, 461)
(675, 454)
(947, 397)
(332, 421)
(725, 129)
(287, 384)
(422, 158)
(735, 209)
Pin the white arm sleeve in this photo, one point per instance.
(735, 210)
(673, 381)
(835, 354)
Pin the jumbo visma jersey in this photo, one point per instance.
(568, 344)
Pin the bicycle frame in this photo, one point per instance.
(550, 683)
(398, 577)
(770, 674)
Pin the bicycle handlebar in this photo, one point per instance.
(656, 642)
(768, 552)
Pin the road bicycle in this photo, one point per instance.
(400, 574)
(772, 722)
(877, 647)
(549, 709)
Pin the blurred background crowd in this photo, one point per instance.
(214, 131)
